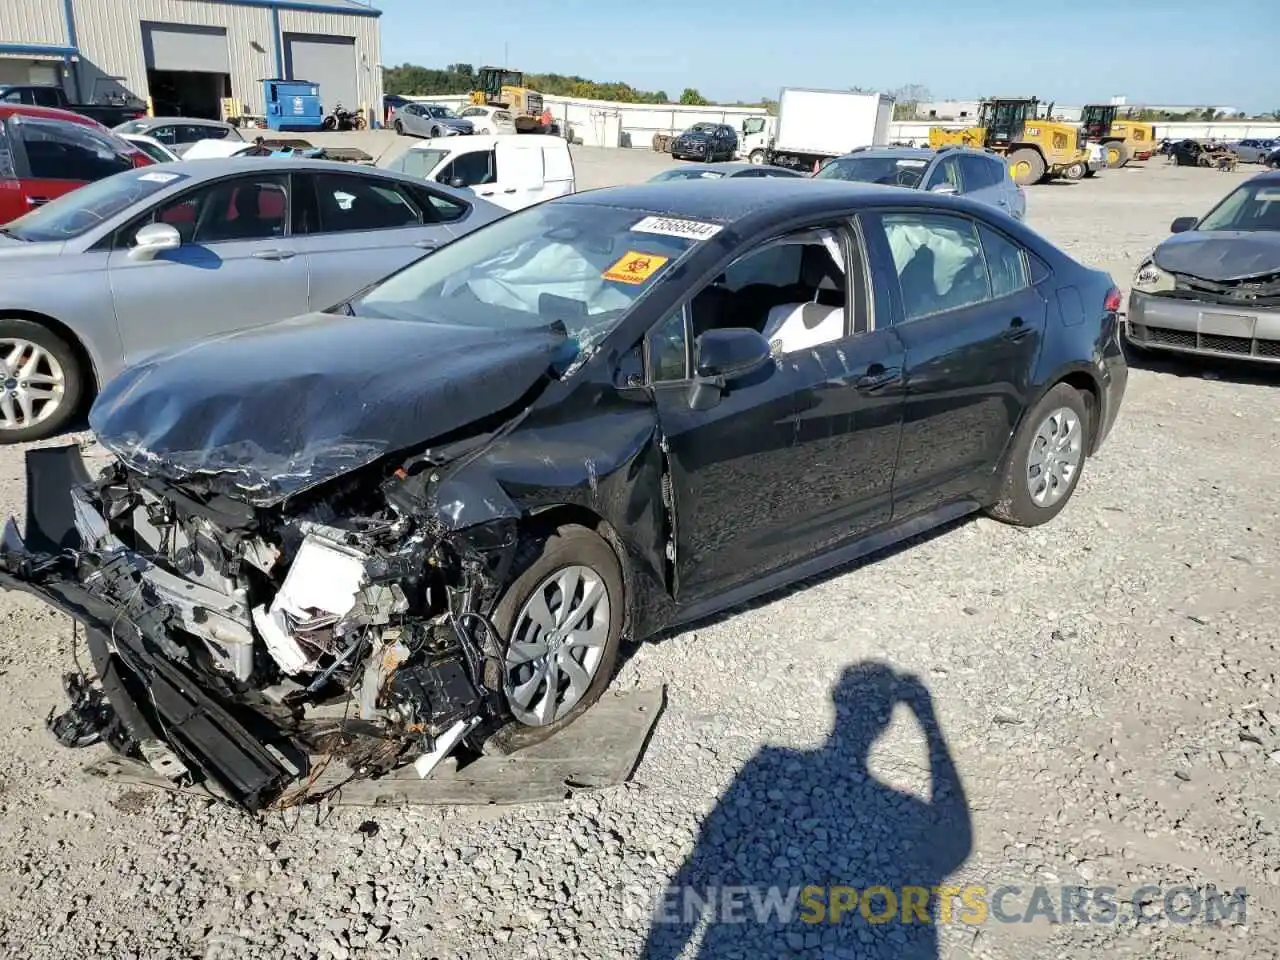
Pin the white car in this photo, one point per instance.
(490, 120)
(513, 172)
(152, 147)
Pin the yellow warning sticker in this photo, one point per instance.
(635, 268)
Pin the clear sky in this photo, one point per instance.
(1203, 52)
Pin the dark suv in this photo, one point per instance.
(706, 141)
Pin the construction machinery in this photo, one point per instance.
(500, 87)
(1122, 139)
(1036, 146)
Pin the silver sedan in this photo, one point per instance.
(153, 258)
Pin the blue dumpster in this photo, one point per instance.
(293, 104)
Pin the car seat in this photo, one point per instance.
(820, 317)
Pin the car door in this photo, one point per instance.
(474, 170)
(238, 266)
(946, 171)
(972, 326)
(521, 180)
(794, 457)
(981, 181)
(356, 229)
(54, 157)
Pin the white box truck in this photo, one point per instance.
(816, 125)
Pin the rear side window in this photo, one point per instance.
(71, 151)
(46, 97)
(1006, 264)
(979, 172)
(7, 171)
(357, 203)
(438, 209)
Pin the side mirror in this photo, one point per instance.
(1183, 224)
(458, 182)
(724, 355)
(153, 239)
(946, 189)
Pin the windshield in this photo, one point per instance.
(890, 171)
(1253, 206)
(702, 128)
(80, 211)
(442, 113)
(131, 126)
(579, 264)
(418, 163)
(686, 173)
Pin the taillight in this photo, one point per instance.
(140, 159)
(1113, 302)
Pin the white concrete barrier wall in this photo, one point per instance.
(604, 123)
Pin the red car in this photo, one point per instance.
(45, 153)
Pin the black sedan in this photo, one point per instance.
(722, 171)
(597, 418)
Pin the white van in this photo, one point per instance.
(511, 171)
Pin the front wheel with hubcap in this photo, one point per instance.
(1076, 171)
(1027, 167)
(1045, 459)
(561, 619)
(756, 157)
(40, 382)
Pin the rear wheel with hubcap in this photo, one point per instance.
(561, 619)
(1045, 459)
(40, 381)
(1076, 171)
(757, 157)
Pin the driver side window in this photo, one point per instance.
(947, 171)
(474, 169)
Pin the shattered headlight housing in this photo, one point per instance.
(1151, 279)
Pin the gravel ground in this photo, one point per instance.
(1105, 690)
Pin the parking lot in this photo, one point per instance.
(1108, 686)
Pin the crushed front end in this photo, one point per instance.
(248, 648)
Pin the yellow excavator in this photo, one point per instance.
(1122, 139)
(500, 87)
(1036, 146)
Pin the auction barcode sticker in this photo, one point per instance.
(669, 227)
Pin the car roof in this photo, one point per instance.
(729, 169)
(210, 168)
(1267, 176)
(161, 121)
(737, 198)
(485, 141)
(46, 113)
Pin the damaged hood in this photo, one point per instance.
(263, 414)
(1221, 256)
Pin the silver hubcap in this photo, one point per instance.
(557, 645)
(757, 158)
(32, 386)
(1056, 452)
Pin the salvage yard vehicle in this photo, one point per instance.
(721, 171)
(513, 172)
(146, 260)
(500, 87)
(706, 141)
(1038, 147)
(46, 153)
(1253, 150)
(977, 174)
(308, 556)
(429, 120)
(1122, 139)
(152, 147)
(816, 126)
(1213, 288)
(178, 133)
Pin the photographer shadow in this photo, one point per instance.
(785, 863)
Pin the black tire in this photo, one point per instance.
(570, 544)
(73, 389)
(330, 122)
(1116, 153)
(399, 128)
(357, 123)
(1014, 504)
(757, 157)
(1035, 166)
(1077, 171)
(433, 132)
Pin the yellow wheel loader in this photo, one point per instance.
(1036, 147)
(1122, 139)
(504, 88)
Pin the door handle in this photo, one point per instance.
(1017, 329)
(37, 201)
(427, 244)
(272, 254)
(878, 377)
(487, 193)
(1003, 202)
(512, 190)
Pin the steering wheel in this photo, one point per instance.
(906, 178)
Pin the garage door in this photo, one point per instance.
(328, 61)
(187, 49)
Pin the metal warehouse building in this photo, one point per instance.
(187, 56)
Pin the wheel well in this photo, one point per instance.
(1087, 387)
(70, 339)
(546, 520)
